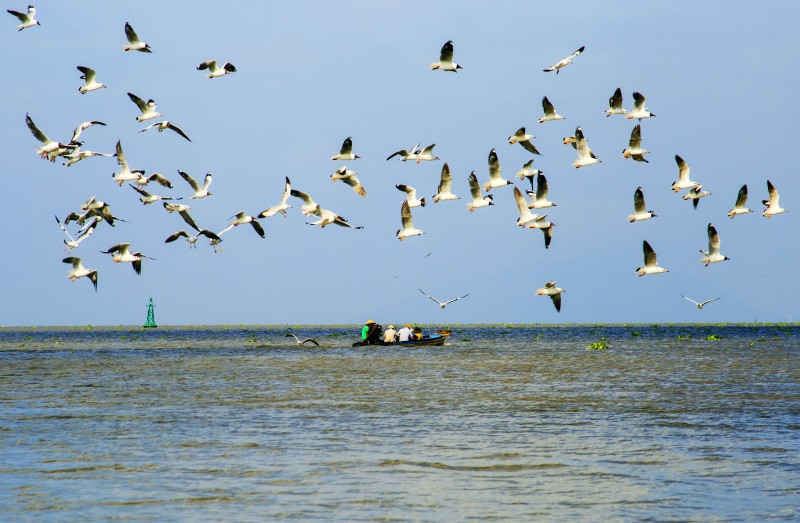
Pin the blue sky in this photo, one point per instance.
(719, 75)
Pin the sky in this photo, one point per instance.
(719, 76)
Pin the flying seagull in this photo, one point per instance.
(75, 243)
(640, 211)
(148, 108)
(134, 44)
(634, 149)
(615, 104)
(554, 292)
(525, 215)
(160, 179)
(346, 152)
(49, 148)
(405, 154)
(772, 205)
(741, 201)
(166, 124)
(445, 186)
(79, 271)
(183, 211)
(214, 71)
(120, 253)
(27, 19)
(683, 181)
(125, 174)
(528, 171)
(192, 240)
(89, 77)
(475, 191)
(408, 229)
(699, 305)
(545, 226)
(695, 193)
(550, 113)
(712, 255)
(327, 217)
(445, 62)
(443, 304)
(282, 206)
(495, 175)
(650, 261)
(585, 155)
(303, 341)
(76, 155)
(411, 195)
(540, 200)
(82, 127)
(349, 177)
(199, 192)
(241, 218)
(148, 198)
(563, 63)
(524, 139)
(639, 111)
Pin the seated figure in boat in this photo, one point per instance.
(371, 333)
(390, 335)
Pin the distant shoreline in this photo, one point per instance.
(289, 326)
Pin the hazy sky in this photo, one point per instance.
(721, 77)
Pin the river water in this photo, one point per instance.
(505, 423)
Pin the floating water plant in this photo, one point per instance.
(684, 336)
(598, 345)
(713, 337)
(635, 333)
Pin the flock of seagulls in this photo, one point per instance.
(98, 212)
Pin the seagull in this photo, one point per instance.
(160, 179)
(495, 177)
(120, 253)
(475, 191)
(346, 152)
(524, 139)
(166, 124)
(445, 186)
(150, 198)
(27, 19)
(79, 271)
(563, 63)
(411, 195)
(650, 261)
(327, 217)
(134, 44)
(540, 200)
(90, 82)
(282, 206)
(554, 292)
(525, 215)
(405, 154)
(570, 140)
(683, 176)
(445, 62)
(550, 113)
(545, 226)
(309, 205)
(240, 219)
(699, 305)
(772, 204)
(443, 304)
(349, 177)
(528, 171)
(94, 208)
(305, 340)
(741, 201)
(77, 155)
(639, 110)
(426, 154)
(615, 104)
(147, 108)
(585, 155)
(124, 174)
(82, 127)
(199, 192)
(640, 211)
(183, 211)
(695, 194)
(713, 255)
(635, 149)
(214, 71)
(75, 243)
(192, 240)
(408, 229)
(49, 149)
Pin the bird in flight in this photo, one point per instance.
(303, 341)
(563, 63)
(699, 305)
(443, 304)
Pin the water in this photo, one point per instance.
(507, 424)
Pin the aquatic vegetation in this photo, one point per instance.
(686, 336)
(598, 345)
(713, 337)
(636, 334)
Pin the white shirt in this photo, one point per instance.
(405, 334)
(389, 335)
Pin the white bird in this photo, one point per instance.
(303, 341)
(650, 261)
(215, 71)
(90, 80)
(545, 226)
(444, 191)
(282, 206)
(82, 127)
(772, 206)
(443, 304)
(309, 205)
(683, 176)
(349, 177)
(405, 154)
(125, 174)
(327, 217)
(585, 155)
(148, 198)
(183, 211)
(74, 243)
(28, 19)
(741, 201)
(192, 240)
(615, 104)
(554, 292)
(639, 111)
(148, 108)
(241, 218)
(346, 152)
(76, 155)
(120, 253)
(550, 113)
(524, 139)
(695, 193)
(525, 215)
(411, 195)
(712, 255)
(406, 219)
(495, 176)
(475, 191)
(99, 210)
(134, 44)
(699, 305)
(166, 124)
(160, 179)
(635, 150)
(445, 62)
(49, 149)
(79, 271)
(528, 171)
(539, 198)
(199, 192)
(640, 211)
(565, 62)
(426, 154)
(570, 140)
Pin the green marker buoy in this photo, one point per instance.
(151, 316)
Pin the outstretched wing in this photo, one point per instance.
(39, 135)
(447, 52)
(638, 201)
(141, 104)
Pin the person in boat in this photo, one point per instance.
(390, 335)
(416, 334)
(405, 333)
(371, 333)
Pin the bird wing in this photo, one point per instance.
(708, 301)
(191, 181)
(207, 181)
(638, 101)
(474, 187)
(683, 168)
(130, 34)
(401, 152)
(615, 102)
(773, 194)
(541, 187)
(429, 149)
(208, 234)
(287, 192)
(410, 191)
(141, 104)
(354, 182)
(446, 55)
(556, 301)
(258, 228)
(494, 166)
(160, 179)
(177, 130)
(741, 198)
(456, 299)
(188, 219)
(549, 110)
(579, 51)
(39, 135)
(176, 235)
(23, 17)
(528, 146)
(347, 146)
(581, 146)
(74, 260)
(140, 191)
(229, 67)
(64, 229)
(522, 204)
(405, 216)
(649, 255)
(303, 196)
(691, 300)
(446, 183)
(548, 235)
(713, 240)
(636, 137)
(208, 64)
(638, 201)
(88, 74)
(432, 298)
(121, 161)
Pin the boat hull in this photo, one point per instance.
(434, 340)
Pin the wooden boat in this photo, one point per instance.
(433, 340)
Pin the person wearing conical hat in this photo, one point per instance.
(365, 330)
